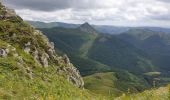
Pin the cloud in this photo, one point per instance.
(164, 0)
(51, 5)
(115, 12)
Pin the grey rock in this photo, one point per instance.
(66, 59)
(3, 53)
(27, 47)
(44, 59)
(72, 75)
(36, 57)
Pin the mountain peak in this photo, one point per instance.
(86, 24)
(86, 27)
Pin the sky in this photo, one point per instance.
(100, 12)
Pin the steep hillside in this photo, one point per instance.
(156, 44)
(29, 66)
(116, 53)
(76, 44)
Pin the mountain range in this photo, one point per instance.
(100, 28)
(114, 54)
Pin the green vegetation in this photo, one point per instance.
(115, 53)
(23, 51)
(155, 44)
(104, 49)
(46, 85)
(114, 83)
(99, 53)
(162, 93)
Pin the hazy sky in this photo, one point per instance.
(108, 12)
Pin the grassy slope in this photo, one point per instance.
(114, 83)
(16, 84)
(162, 93)
(15, 74)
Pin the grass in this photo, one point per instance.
(162, 93)
(114, 83)
(26, 79)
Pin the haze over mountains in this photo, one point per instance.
(100, 28)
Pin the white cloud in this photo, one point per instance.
(115, 12)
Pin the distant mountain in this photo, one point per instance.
(111, 29)
(99, 47)
(156, 44)
(87, 28)
(100, 28)
(39, 24)
(118, 30)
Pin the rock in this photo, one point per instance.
(51, 52)
(44, 59)
(10, 12)
(20, 60)
(75, 77)
(3, 53)
(15, 54)
(66, 59)
(7, 13)
(27, 47)
(36, 57)
(72, 75)
(13, 49)
(29, 72)
(28, 44)
(13, 35)
(7, 50)
(52, 45)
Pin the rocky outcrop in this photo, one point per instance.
(3, 53)
(34, 50)
(7, 13)
(27, 47)
(44, 59)
(71, 73)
